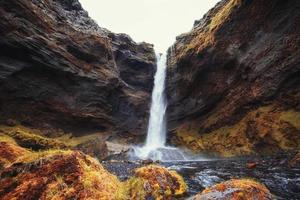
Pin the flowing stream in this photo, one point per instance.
(155, 147)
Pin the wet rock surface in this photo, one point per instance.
(241, 57)
(60, 71)
(273, 172)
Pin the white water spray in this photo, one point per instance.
(154, 147)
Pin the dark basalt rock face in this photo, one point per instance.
(241, 57)
(60, 70)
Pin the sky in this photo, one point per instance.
(154, 21)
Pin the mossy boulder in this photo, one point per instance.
(96, 148)
(235, 189)
(155, 182)
(59, 175)
(68, 174)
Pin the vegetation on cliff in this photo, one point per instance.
(267, 129)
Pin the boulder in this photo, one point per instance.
(59, 175)
(96, 148)
(155, 182)
(235, 189)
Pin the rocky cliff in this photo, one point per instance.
(233, 80)
(60, 71)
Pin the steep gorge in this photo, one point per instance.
(70, 90)
(233, 80)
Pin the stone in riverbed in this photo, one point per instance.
(251, 165)
(235, 189)
(147, 162)
(96, 148)
(156, 182)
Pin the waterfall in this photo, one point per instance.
(155, 148)
(156, 136)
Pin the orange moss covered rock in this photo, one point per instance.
(235, 189)
(295, 161)
(9, 152)
(155, 182)
(56, 174)
(70, 175)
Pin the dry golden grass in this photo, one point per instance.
(31, 138)
(223, 14)
(99, 183)
(74, 141)
(33, 156)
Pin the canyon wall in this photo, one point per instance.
(59, 71)
(233, 80)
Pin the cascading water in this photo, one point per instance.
(154, 147)
(156, 136)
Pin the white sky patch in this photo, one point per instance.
(153, 21)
